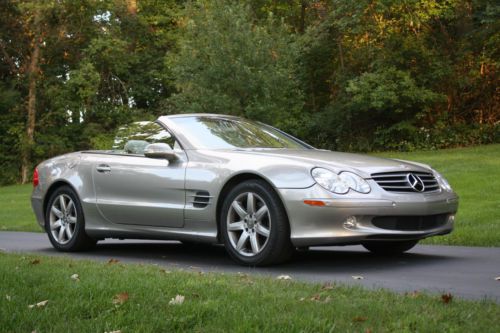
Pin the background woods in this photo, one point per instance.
(362, 76)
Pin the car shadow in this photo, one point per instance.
(340, 260)
(323, 260)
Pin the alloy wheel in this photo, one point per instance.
(63, 219)
(248, 224)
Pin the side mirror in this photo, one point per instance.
(160, 150)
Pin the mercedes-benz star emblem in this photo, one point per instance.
(415, 182)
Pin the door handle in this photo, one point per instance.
(103, 168)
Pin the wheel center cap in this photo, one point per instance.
(250, 220)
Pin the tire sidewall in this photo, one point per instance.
(279, 221)
(80, 220)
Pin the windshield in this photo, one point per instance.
(227, 133)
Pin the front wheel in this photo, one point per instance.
(65, 223)
(254, 225)
(389, 247)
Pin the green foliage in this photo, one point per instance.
(405, 136)
(392, 67)
(339, 74)
(100, 66)
(229, 64)
(11, 134)
(388, 91)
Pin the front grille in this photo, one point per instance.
(410, 223)
(399, 181)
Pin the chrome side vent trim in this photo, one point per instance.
(200, 199)
(407, 181)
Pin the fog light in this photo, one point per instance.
(351, 222)
(451, 218)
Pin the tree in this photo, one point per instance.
(230, 63)
(349, 75)
(25, 29)
(80, 68)
(401, 72)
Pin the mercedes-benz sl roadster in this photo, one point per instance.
(223, 179)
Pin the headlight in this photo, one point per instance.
(442, 181)
(340, 183)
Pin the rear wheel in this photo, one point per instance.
(254, 225)
(65, 223)
(389, 247)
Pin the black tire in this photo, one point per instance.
(389, 247)
(80, 240)
(278, 248)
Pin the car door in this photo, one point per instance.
(136, 190)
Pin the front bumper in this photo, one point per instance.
(313, 225)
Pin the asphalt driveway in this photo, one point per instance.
(467, 272)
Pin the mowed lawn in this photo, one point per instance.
(105, 297)
(473, 172)
(15, 209)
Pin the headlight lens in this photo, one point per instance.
(340, 183)
(442, 181)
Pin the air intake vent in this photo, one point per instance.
(408, 181)
(410, 223)
(200, 199)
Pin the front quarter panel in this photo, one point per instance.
(211, 170)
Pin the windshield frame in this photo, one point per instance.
(170, 123)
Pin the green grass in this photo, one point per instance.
(213, 302)
(473, 172)
(15, 209)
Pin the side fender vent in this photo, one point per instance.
(200, 199)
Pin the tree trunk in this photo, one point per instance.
(32, 74)
(302, 23)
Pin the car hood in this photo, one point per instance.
(364, 165)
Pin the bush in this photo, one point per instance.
(407, 137)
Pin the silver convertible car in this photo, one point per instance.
(223, 179)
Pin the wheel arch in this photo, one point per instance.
(232, 182)
(52, 188)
